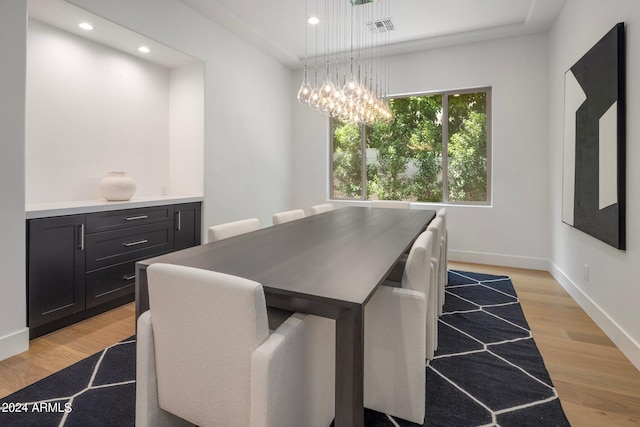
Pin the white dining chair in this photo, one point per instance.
(444, 248)
(205, 356)
(287, 216)
(394, 204)
(230, 229)
(396, 336)
(318, 209)
(435, 227)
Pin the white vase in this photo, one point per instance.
(117, 186)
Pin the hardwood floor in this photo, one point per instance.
(597, 385)
(57, 350)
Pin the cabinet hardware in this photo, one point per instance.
(129, 277)
(133, 218)
(139, 242)
(179, 226)
(81, 247)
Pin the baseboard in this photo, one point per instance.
(498, 259)
(620, 338)
(15, 343)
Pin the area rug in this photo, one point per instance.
(487, 372)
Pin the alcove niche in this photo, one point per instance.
(96, 104)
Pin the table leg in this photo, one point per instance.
(350, 368)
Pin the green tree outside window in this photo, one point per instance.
(405, 159)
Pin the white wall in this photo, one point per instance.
(248, 117)
(612, 293)
(14, 336)
(92, 109)
(513, 230)
(186, 130)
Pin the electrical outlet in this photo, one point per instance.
(586, 272)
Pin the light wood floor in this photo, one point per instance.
(597, 385)
(57, 350)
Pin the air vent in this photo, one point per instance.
(381, 25)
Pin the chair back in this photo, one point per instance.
(417, 272)
(206, 327)
(282, 217)
(230, 229)
(395, 204)
(318, 209)
(442, 213)
(435, 227)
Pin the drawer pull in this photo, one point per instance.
(129, 277)
(139, 242)
(133, 218)
(81, 245)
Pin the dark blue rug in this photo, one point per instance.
(487, 372)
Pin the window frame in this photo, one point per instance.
(445, 146)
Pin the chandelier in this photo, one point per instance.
(350, 67)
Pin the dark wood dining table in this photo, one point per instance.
(328, 265)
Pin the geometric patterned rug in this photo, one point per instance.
(97, 391)
(487, 372)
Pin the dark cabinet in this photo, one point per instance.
(81, 265)
(56, 268)
(187, 225)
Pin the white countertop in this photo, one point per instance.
(43, 210)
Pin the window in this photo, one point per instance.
(432, 136)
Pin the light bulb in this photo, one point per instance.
(305, 89)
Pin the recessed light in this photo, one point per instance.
(313, 20)
(85, 26)
(144, 49)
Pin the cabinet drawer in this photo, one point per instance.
(107, 284)
(106, 221)
(118, 246)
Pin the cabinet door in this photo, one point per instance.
(187, 225)
(55, 268)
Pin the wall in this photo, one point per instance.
(247, 104)
(14, 336)
(92, 109)
(186, 130)
(512, 231)
(611, 294)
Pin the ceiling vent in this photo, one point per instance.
(381, 25)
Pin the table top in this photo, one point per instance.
(339, 256)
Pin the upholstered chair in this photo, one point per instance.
(205, 356)
(282, 217)
(435, 227)
(230, 229)
(444, 248)
(396, 336)
(318, 209)
(395, 204)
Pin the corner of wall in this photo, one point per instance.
(620, 338)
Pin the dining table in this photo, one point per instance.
(328, 265)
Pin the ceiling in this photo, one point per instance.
(66, 16)
(278, 26)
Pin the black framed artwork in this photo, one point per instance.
(593, 188)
